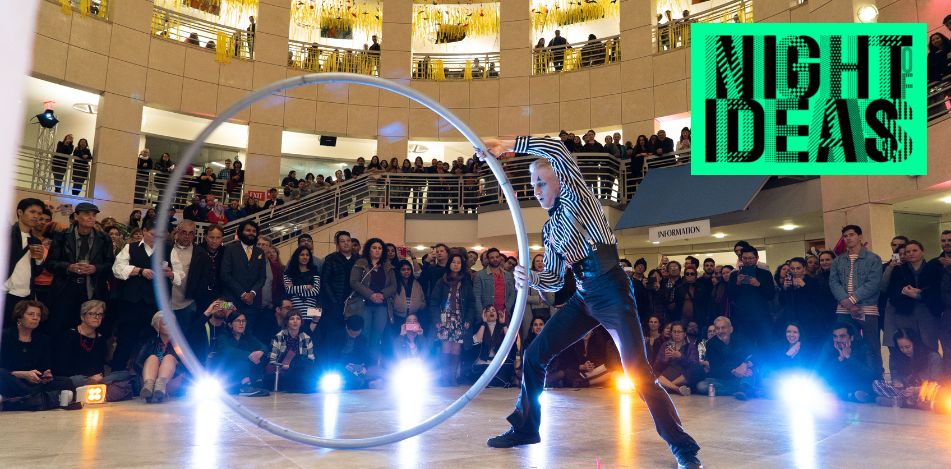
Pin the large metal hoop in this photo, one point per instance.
(188, 356)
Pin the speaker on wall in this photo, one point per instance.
(328, 141)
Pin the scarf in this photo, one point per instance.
(453, 281)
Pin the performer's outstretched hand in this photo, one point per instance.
(497, 147)
(521, 277)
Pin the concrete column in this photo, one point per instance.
(637, 69)
(396, 55)
(515, 67)
(262, 164)
(845, 201)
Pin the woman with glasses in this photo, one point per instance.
(239, 358)
(80, 353)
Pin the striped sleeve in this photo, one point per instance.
(553, 277)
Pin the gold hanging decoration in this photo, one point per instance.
(223, 47)
(231, 13)
(65, 7)
(551, 14)
(451, 23)
(311, 19)
(102, 9)
(84, 8)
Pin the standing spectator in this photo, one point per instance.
(915, 291)
(135, 219)
(678, 363)
(302, 279)
(205, 282)
(25, 359)
(591, 143)
(26, 254)
(684, 142)
(80, 259)
(242, 269)
(373, 283)
(252, 206)
(187, 262)
(799, 296)
(134, 266)
(61, 162)
(81, 165)
(728, 367)
(234, 212)
(642, 148)
(751, 289)
(494, 286)
(335, 277)
(452, 306)
(847, 364)
(558, 51)
(205, 181)
(433, 272)
(162, 169)
(291, 179)
(196, 212)
(540, 304)
(375, 47)
(273, 201)
(691, 298)
(855, 282)
(225, 173)
(145, 161)
(664, 144)
(611, 147)
(235, 178)
(592, 53)
(359, 168)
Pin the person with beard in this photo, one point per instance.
(578, 235)
(242, 270)
(335, 280)
(494, 286)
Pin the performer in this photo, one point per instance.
(578, 235)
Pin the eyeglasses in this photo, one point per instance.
(95, 315)
(188, 233)
(690, 274)
(240, 321)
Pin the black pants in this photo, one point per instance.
(11, 386)
(64, 309)
(607, 300)
(134, 318)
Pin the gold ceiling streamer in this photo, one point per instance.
(551, 14)
(437, 23)
(308, 17)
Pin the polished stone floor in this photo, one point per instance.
(581, 428)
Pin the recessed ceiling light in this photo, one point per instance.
(656, 242)
(709, 255)
(719, 235)
(867, 13)
(946, 200)
(788, 227)
(535, 247)
(420, 248)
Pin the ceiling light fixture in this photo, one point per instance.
(788, 227)
(656, 242)
(217, 164)
(535, 247)
(719, 236)
(946, 200)
(867, 13)
(86, 107)
(420, 248)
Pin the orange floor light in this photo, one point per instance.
(92, 394)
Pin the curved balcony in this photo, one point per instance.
(321, 58)
(226, 41)
(48, 171)
(575, 56)
(465, 66)
(675, 33)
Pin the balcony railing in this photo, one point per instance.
(676, 34)
(613, 181)
(228, 41)
(97, 8)
(575, 56)
(52, 172)
(150, 184)
(466, 66)
(321, 58)
(939, 105)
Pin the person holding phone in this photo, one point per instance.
(751, 289)
(203, 334)
(408, 345)
(578, 235)
(799, 294)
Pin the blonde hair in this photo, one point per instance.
(539, 164)
(157, 320)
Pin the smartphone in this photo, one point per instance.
(628, 269)
(401, 251)
(651, 280)
(226, 305)
(413, 327)
(896, 257)
(313, 312)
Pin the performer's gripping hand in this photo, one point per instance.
(522, 279)
(497, 147)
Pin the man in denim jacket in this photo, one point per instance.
(854, 280)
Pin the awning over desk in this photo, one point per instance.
(673, 195)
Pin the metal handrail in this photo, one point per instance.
(97, 8)
(459, 66)
(200, 33)
(320, 58)
(52, 172)
(574, 56)
(676, 34)
(939, 100)
(151, 183)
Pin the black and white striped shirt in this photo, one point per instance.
(576, 206)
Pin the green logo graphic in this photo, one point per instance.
(803, 99)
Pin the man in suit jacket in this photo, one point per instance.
(80, 259)
(242, 270)
(21, 269)
(559, 53)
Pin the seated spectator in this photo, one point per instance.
(80, 355)
(203, 334)
(591, 361)
(912, 367)
(409, 344)
(677, 365)
(785, 357)
(847, 364)
(273, 200)
(217, 215)
(537, 324)
(798, 296)
(348, 353)
(292, 357)
(252, 206)
(235, 178)
(233, 212)
(684, 142)
(728, 367)
(702, 346)
(157, 364)
(238, 358)
(487, 340)
(25, 359)
(196, 211)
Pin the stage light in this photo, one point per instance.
(206, 387)
(330, 383)
(624, 384)
(410, 376)
(46, 119)
(92, 394)
(801, 391)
